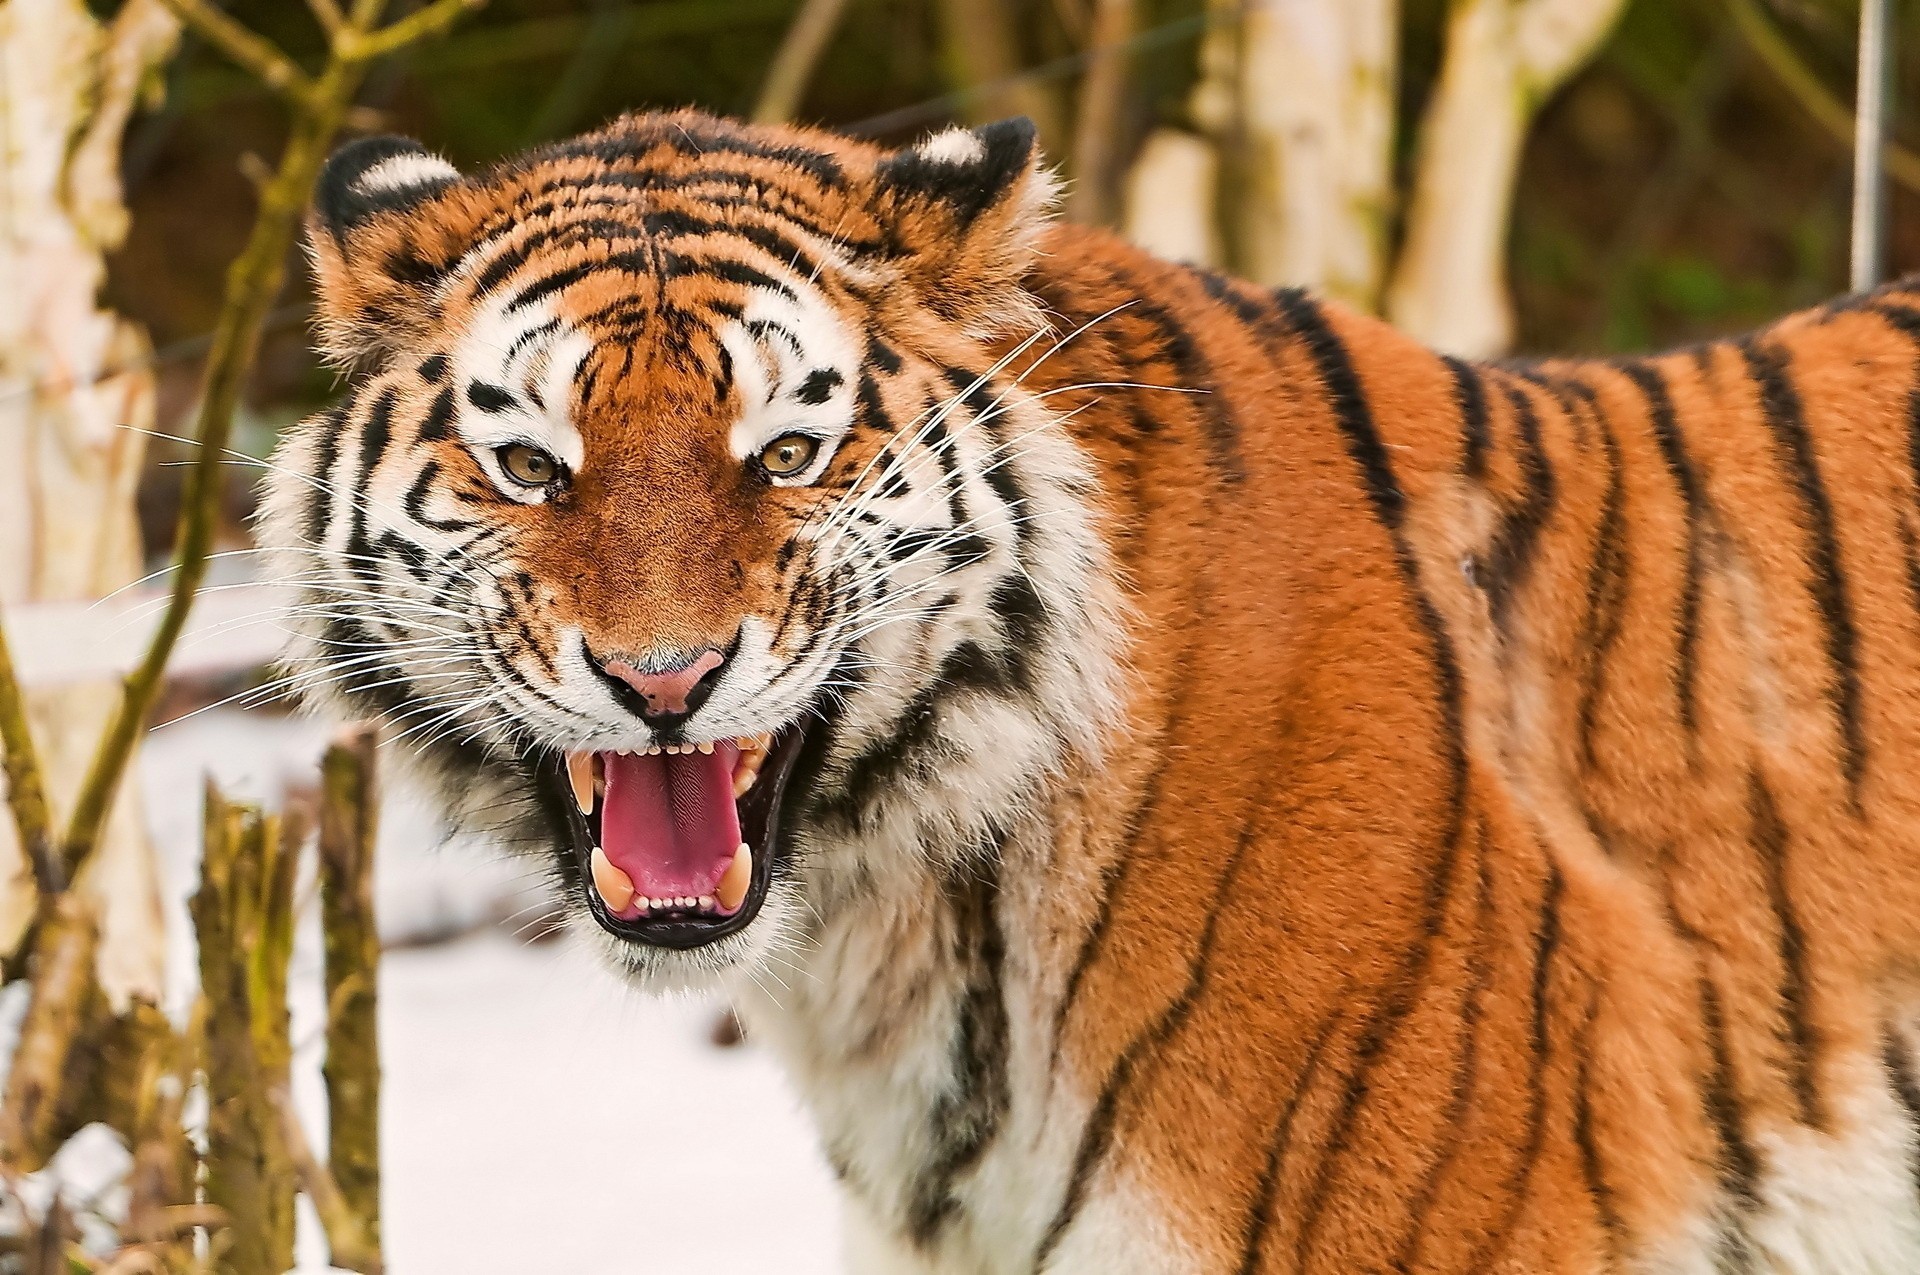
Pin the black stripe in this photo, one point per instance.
(1607, 582)
(1341, 384)
(1467, 1066)
(1144, 812)
(331, 425)
(1770, 838)
(1738, 1162)
(967, 1115)
(1666, 432)
(1096, 1136)
(1599, 1190)
(1908, 322)
(375, 435)
(1781, 407)
(1220, 429)
(1253, 1236)
(1510, 557)
(1470, 397)
(437, 425)
(1546, 943)
(1898, 1059)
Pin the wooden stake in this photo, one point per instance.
(243, 916)
(348, 822)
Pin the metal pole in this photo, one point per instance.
(1869, 144)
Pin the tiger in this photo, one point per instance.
(1182, 777)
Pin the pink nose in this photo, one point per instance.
(668, 694)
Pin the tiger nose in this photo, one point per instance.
(670, 696)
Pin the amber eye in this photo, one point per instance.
(788, 454)
(528, 466)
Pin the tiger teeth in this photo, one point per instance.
(746, 768)
(580, 775)
(615, 886)
(732, 888)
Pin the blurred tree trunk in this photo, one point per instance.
(982, 41)
(75, 389)
(1172, 209)
(1100, 116)
(1504, 58)
(1291, 178)
(1310, 200)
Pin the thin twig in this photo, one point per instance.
(418, 25)
(327, 14)
(26, 785)
(347, 1244)
(1805, 87)
(793, 66)
(253, 52)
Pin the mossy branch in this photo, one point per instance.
(253, 281)
(253, 52)
(26, 782)
(349, 1247)
(348, 813)
(60, 944)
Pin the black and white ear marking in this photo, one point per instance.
(966, 170)
(375, 175)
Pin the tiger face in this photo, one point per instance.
(687, 516)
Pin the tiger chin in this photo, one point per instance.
(1184, 778)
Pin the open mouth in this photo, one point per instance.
(677, 845)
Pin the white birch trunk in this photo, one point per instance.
(1314, 191)
(1171, 208)
(75, 389)
(1504, 58)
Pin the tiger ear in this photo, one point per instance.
(375, 264)
(964, 209)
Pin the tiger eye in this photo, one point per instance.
(528, 466)
(788, 454)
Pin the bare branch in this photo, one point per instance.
(416, 26)
(253, 281)
(327, 14)
(347, 1242)
(253, 52)
(26, 785)
(799, 55)
(65, 998)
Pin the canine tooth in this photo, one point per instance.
(615, 886)
(580, 775)
(732, 888)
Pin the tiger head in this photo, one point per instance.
(686, 514)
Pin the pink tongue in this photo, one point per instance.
(668, 821)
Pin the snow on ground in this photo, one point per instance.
(538, 1116)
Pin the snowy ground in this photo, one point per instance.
(538, 1116)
